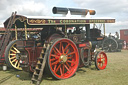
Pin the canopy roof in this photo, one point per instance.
(39, 22)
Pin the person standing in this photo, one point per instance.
(117, 35)
(109, 35)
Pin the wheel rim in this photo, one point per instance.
(63, 59)
(110, 45)
(14, 57)
(101, 61)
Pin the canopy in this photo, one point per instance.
(39, 22)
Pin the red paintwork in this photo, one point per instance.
(2, 61)
(85, 44)
(101, 61)
(33, 54)
(82, 45)
(59, 68)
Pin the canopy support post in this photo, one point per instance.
(25, 31)
(65, 31)
(104, 28)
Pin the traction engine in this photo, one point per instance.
(62, 46)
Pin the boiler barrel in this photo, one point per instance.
(73, 11)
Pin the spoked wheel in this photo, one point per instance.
(12, 56)
(110, 44)
(63, 59)
(100, 60)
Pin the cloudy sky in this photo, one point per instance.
(117, 9)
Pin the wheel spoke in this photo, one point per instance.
(103, 60)
(63, 69)
(105, 47)
(67, 51)
(54, 51)
(16, 63)
(71, 53)
(18, 66)
(16, 50)
(54, 55)
(71, 61)
(52, 59)
(62, 49)
(69, 57)
(66, 46)
(57, 68)
(57, 50)
(61, 73)
(13, 51)
(102, 56)
(60, 46)
(98, 64)
(12, 54)
(13, 57)
(67, 64)
(55, 62)
(14, 60)
(66, 67)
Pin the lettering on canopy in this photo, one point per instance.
(67, 21)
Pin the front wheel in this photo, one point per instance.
(100, 60)
(63, 58)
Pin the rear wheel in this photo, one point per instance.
(63, 58)
(110, 45)
(12, 55)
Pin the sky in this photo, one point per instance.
(117, 9)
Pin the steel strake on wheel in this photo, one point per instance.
(63, 58)
(101, 60)
(12, 56)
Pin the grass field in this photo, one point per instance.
(116, 73)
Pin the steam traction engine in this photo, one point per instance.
(111, 44)
(63, 44)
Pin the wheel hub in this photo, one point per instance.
(63, 58)
(102, 60)
(110, 45)
(18, 56)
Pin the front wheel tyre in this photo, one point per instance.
(100, 60)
